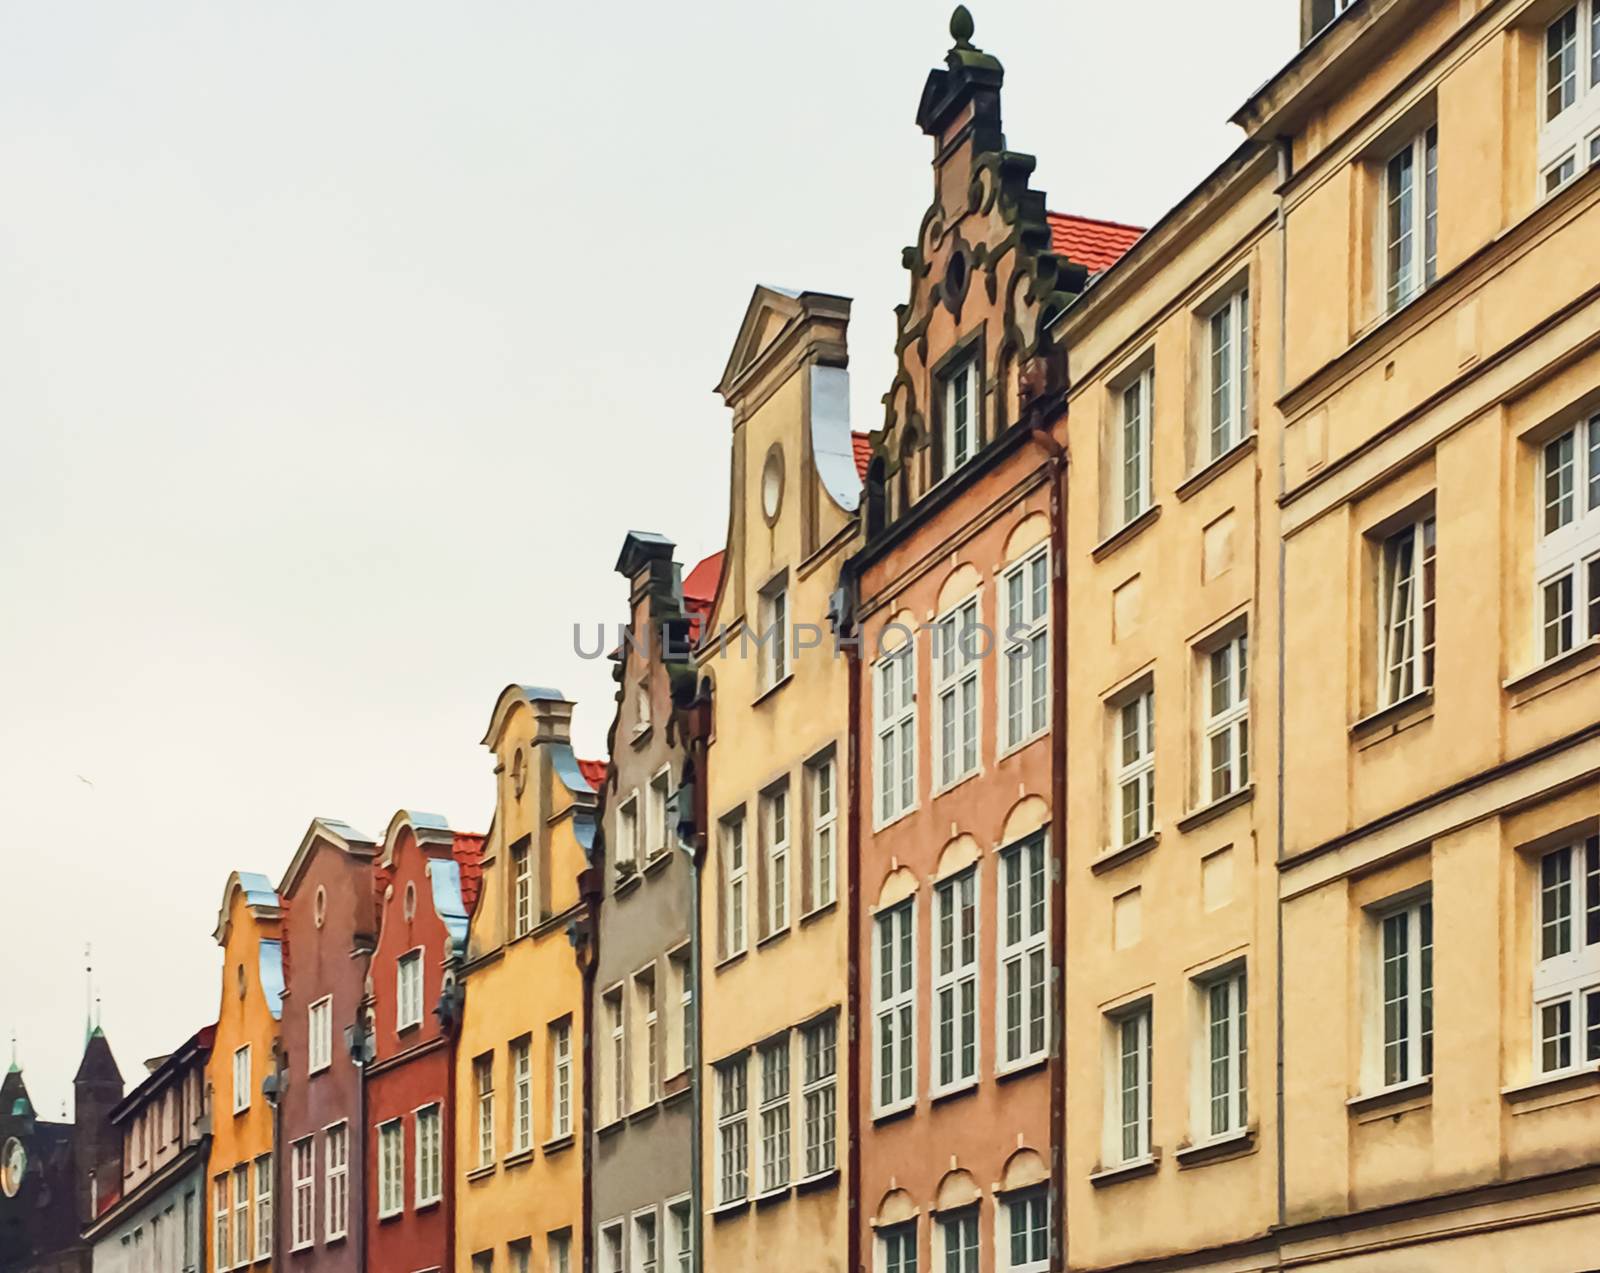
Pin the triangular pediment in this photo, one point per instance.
(770, 312)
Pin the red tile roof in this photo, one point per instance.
(468, 853)
(700, 592)
(862, 444)
(1094, 244)
(594, 772)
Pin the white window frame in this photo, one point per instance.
(336, 1180)
(561, 1079)
(776, 823)
(558, 1250)
(735, 885)
(678, 961)
(1025, 679)
(1022, 954)
(958, 713)
(613, 1246)
(391, 1167)
(1133, 765)
(521, 889)
(628, 831)
(521, 1055)
(733, 1130)
(222, 1215)
(1135, 410)
(1226, 758)
(1407, 596)
(897, 1248)
(645, 1247)
(303, 1193)
(822, 834)
(408, 989)
(1567, 540)
(242, 1175)
(1031, 1204)
(319, 1035)
(894, 1009)
(895, 745)
(961, 1227)
(1129, 1085)
(241, 1079)
(263, 1199)
(1569, 121)
(647, 993)
(1566, 957)
(1221, 1104)
(1400, 1051)
(427, 1123)
(680, 1234)
(957, 995)
(1228, 399)
(658, 803)
(1408, 219)
(776, 1065)
(616, 1012)
(483, 1104)
(819, 1097)
(961, 394)
(773, 633)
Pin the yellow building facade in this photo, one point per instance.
(774, 921)
(519, 1056)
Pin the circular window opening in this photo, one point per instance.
(772, 483)
(319, 907)
(519, 772)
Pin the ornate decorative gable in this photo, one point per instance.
(984, 287)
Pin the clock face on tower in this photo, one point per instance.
(13, 1163)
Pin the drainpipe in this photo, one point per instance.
(695, 839)
(592, 885)
(1056, 468)
(1285, 171)
(852, 1097)
(696, 1079)
(358, 1042)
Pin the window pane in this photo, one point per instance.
(1561, 63)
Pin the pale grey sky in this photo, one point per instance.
(341, 344)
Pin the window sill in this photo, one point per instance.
(960, 780)
(385, 1216)
(728, 961)
(607, 1130)
(771, 1196)
(1126, 1171)
(1021, 1069)
(822, 1180)
(1400, 1099)
(311, 1074)
(429, 1205)
(334, 1239)
(1113, 858)
(556, 1145)
(1219, 1149)
(889, 1113)
(1396, 716)
(1203, 477)
(657, 860)
(964, 1088)
(640, 736)
(727, 1210)
(772, 689)
(818, 912)
(1008, 750)
(644, 1114)
(1117, 538)
(519, 1159)
(1574, 1084)
(1580, 654)
(301, 1246)
(482, 1173)
(672, 1095)
(773, 937)
(627, 883)
(1206, 812)
(901, 816)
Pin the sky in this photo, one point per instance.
(340, 345)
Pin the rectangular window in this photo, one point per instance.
(628, 833)
(820, 1046)
(733, 1131)
(774, 634)
(302, 1201)
(1130, 1086)
(611, 1249)
(684, 980)
(408, 990)
(775, 828)
(1025, 592)
(1406, 987)
(241, 1079)
(1227, 1053)
(958, 1236)
(391, 1168)
(1567, 554)
(775, 1155)
(521, 889)
(1023, 958)
(641, 705)
(1566, 978)
(483, 1089)
(263, 1207)
(895, 1009)
(430, 1161)
(1228, 716)
(956, 645)
(1135, 775)
(559, 1246)
(241, 1214)
(1026, 1240)
(821, 776)
(681, 1235)
(644, 992)
(646, 1244)
(561, 1079)
(220, 1239)
(522, 1092)
(960, 414)
(899, 1248)
(319, 1035)
(1410, 239)
(735, 885)
(1405, 612)
(1229, 332)
(521, 1254)
(1568, 140)
(1138, 399)
(896, 676)
(336, 1160)
(617, 1056)
(660, 794)
(955, 981)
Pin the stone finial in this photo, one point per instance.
(961, 27)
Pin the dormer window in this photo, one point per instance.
(960, 385)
